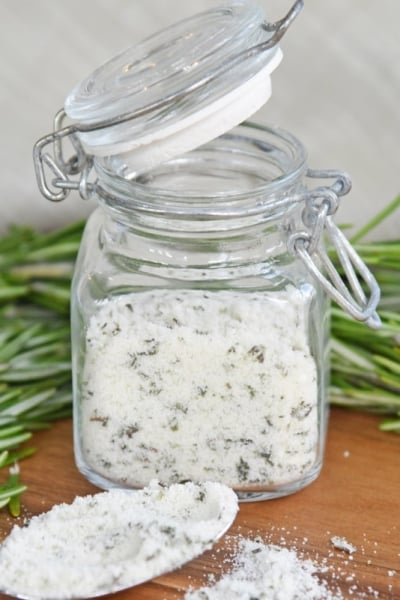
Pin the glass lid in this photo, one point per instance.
(178, 88)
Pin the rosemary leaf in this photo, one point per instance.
(391, 425)
(13, 441)
(9, 490)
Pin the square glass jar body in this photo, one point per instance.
(200, 342)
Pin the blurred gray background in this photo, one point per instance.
(337, 89)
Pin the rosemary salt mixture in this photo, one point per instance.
(110, 541)
(188, 384)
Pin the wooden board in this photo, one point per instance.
(357, 496)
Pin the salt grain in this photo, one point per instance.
(342, 544)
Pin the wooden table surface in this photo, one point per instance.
(357, 497)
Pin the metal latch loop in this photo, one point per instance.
(342, 182)
(42, 159)
(355, 289)
(80, 163)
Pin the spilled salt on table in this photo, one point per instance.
(267, 572)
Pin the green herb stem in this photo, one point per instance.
(385, 213)
(35, 369)
(365, 364)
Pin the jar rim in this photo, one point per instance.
(263, 145)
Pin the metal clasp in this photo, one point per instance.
(355, 289)
(62, 170)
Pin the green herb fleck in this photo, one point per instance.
(128, 431)
(251, 390)
(258, 353)
(267, 457)
(96, 418)
(301, 411)
(173, 424)
(201, 496)
(243, 469)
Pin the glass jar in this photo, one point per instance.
(199, 340)
(200, 300)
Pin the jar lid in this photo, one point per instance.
(179, 88)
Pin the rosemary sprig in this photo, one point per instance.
(365, 363)
(35, 370)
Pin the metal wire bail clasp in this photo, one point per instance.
(355, 289)
(55, 164)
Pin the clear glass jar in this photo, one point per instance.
(199, 341)
(200, 300)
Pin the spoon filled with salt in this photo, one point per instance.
(113, 540)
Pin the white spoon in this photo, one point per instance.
(113, 540)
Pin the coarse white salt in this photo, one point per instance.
(103, 543)
(197, 385)
(342, 544)
(267, 572)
